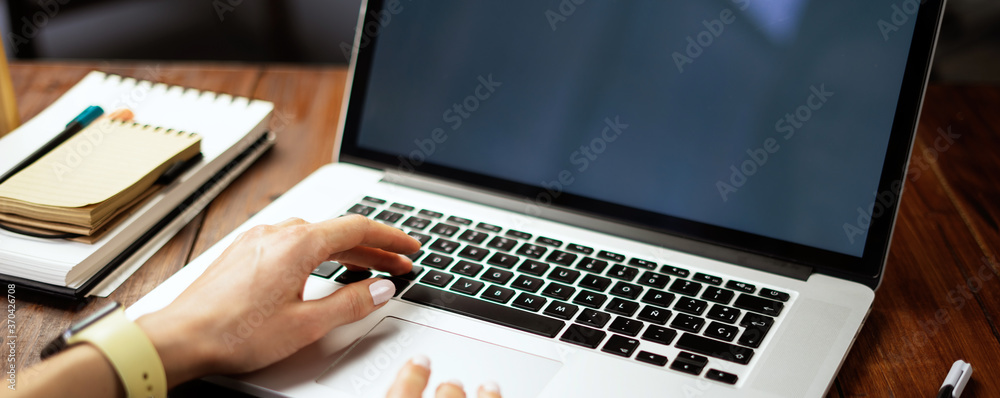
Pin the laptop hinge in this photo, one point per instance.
(588, 221)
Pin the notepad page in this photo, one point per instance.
(97, 164)
(227, 128)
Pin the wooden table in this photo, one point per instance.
(939, 301)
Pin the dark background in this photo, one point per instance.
(311, 31)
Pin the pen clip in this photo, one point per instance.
(956, 380)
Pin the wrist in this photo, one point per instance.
(181, 350)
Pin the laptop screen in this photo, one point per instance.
(722, 120)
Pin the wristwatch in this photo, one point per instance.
(124, 344)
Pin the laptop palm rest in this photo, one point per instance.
(370, 366)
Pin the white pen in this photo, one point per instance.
(957, 378)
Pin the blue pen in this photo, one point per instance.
(74, 126)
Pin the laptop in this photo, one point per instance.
(639, 198)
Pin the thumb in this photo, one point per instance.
(352, 302)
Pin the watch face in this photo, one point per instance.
(59, 343)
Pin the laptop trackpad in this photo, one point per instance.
(369, 368)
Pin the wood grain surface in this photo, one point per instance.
(939, 300)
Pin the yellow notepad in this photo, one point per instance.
(90, 177)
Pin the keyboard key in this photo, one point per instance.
(326, 269)
(558, 291)
(473, 253)
(756, 321)
(620, 345)
(622, 307)
(685, 287)
(687, 322)
(402, 207)
(721, 376)
(497, 275)
(741, 286)
(467, 268)
(718, 295)
(654, 314)
(672, 270)
(532, 267)
(752, 337)
(518, 234)
(560, 257)
(590, 299)
(349, 276)
(482, 310)
(658, 297)
(595, 282)
(593, 318)
(416, 223)
(530, 250)
(373, 200)
(709, 279)
(413, 274)
(693, 359)
(580, 249)
(611, 256)
(623, 272)
(758, 304)
(467, 286)
(430, 213)
(583, 336)
(549, 241)
(400, 283)
(527, 283)
(565, 275)
(413, 257)
(654, 279)
(592, 264)
(436, 278)
(423, 239)
(389, 216)
(444, 229)
(690, 305)
(500, 243)
(437, 261)
(721, 331)
(659, 335)
(498, 294)
(757, 327)
(561, 310)
(488, 227)
(460, 220)
(473, 236)
(723, 313)
(444, 245)
(638, 262)
(628, 327)
(361, 209)
(685, 367)
(503, 260)
(529, 302)
(774, 294)
(651, 358)
(626, 290)
(715, 348)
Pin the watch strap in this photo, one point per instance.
(129, 351)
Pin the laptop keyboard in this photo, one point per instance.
(581, 295)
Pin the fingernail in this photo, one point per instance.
(381, 291)
(490, 386)
(456, 383)
(421, 360)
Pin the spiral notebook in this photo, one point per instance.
(231, 134)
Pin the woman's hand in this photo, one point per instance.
(412, 381)
(246, 311)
